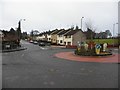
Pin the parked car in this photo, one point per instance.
(35, 42)
(48, 44)
(31, 41)
(41, 43)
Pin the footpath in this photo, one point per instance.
(16, 49)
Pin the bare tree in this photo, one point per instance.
(89, 25)
(90, 30)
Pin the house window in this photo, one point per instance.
(68, 36)
(49, 38)
(68, 43)
(65, 36)
(60, 41)
(60, 35)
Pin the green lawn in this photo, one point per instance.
(109, 41)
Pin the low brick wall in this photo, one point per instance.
(74, 47)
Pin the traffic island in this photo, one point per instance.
(98, 59)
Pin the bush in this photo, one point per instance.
(83, 52)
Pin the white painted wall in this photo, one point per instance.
(40, 37)
(49, 36)
(60, 38)
(68, 40)
(1, 34)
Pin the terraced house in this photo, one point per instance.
(48, 34)
(73, 37)
(60, 37)
(54, 36)
(41, 36)
(45, 36)
(63, 37)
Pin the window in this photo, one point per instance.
(68, 43)
(68, 36)
(60, 35)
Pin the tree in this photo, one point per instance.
(12, 31)
(76, 28)
(24, 35)
(33, 33)
(90, 33)
(19, 30)
(72, 27)
(108, 33)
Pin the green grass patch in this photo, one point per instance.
(109, 41)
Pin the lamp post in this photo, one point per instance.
(81, 22)
(113, 33)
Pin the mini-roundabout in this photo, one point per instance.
(94, 54)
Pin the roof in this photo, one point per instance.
(72, 32)
(57, 31)
(63, 32)
(47, 32)
(50, 32)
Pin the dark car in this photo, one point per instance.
(41, 43)
(35, 42)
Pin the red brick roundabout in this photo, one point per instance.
(99, 59)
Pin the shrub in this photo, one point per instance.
(83, 52)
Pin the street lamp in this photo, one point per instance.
(113, 33)
(81, 22)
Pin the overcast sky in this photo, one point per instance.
(46, 15)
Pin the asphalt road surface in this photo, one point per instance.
(36, 67)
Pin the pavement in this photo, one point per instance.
(36, 67)
(54, 46)
(16, 49)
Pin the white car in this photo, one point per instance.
(35, 42)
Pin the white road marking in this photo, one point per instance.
(43, 48)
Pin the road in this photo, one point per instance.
(36, 67)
